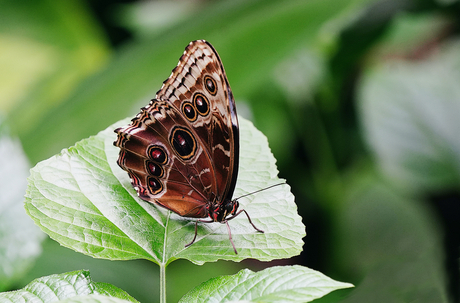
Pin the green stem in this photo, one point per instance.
(162, 283)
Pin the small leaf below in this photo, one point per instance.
(63, 286)
(275, 284)
(93, 299)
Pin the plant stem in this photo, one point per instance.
(162, 283)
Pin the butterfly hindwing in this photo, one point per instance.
(157, 173)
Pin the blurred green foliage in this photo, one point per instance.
(359, 100)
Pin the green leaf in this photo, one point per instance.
(275, 284)
(19, 238)
(83, 200)
(63, 286)
(410, 114)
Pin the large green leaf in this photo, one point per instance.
(68, 287)
(83, 200)
(19, 238)
(275, 284)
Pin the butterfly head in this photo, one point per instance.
(218, 212)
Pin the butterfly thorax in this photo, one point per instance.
(218, 211)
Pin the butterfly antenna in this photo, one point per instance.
(254, 192)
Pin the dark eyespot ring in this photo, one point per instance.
(210, 84)
(154, 169)
(201, 104)
(189, 111)
(154, 185)
(183, 142)
(157, 154)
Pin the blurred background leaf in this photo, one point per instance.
(359, 100)
(20, 239)
(47, 49)
(410, 118)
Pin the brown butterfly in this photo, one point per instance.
(181, 151)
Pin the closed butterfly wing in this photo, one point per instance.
(181, 150)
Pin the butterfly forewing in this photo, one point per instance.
(199, 79)
(181, 150)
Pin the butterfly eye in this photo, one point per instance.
(189, 111)
(154, 185)
(157, 154)
(210, 85)
(201, 104)
(229, 207)
(183, 142)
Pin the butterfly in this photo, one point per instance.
(182, 150)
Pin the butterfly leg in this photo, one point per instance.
(194, 238)
(228, 228)
(249, 218)
(230, 237)
(196, 231)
